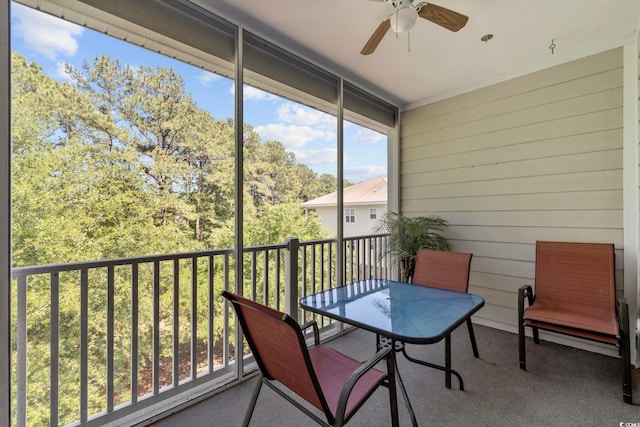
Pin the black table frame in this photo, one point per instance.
(397, 341)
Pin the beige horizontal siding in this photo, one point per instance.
(565, 75)
(583, 200)
(574, 107)
(535, 158)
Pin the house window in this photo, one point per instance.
(373, 213)
(350, 215)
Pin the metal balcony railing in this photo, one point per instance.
(96, 342)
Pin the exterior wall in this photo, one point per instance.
(327, 215)
(361, 227)
(535, 158)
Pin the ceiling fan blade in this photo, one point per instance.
(376, 37)
(446, 18)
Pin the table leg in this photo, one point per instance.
(414, 422)
(447, 368)
(447, 361)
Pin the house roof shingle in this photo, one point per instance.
(370, 192)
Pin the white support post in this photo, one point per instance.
(239, 188)
(5, 214)
(631, 214)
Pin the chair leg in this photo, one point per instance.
(472, 336)
(536, 336)
(521, 345)
(627, 387)
(522, 292)
(625, 351)
(252, 404)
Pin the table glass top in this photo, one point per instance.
(411, 313)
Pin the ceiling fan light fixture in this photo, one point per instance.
(403, 19)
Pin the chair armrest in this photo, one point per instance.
(316, 333)
(525, 291)
(355, 376)
(623, 314)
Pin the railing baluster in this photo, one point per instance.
(330, 274)
(21, 344)
(305, 281)
(265, 278)
(135, 303)
(54, 349)
(210, 313)
(359, 258)
(254, 275)
(314, 269)
(175, 359)
(348, 262)
(367, 259)
(194, 318)
(376, 273)
(277, 280)
(156, 327)
(84, 344)
(322, 283)
(345, 263)
(351, 249)
(225, 315)
(110, 337)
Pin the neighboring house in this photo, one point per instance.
(364, 204)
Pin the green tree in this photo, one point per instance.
(117, 162)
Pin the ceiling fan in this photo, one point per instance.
(404, 18)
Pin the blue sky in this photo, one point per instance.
(309, 133)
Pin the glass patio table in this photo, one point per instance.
(401, 312)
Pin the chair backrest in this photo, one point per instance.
(279, 348)
(443, 269)
(577, 275)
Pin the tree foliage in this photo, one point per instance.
(117, 162)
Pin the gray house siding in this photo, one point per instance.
(538, 157)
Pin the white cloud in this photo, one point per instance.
(362, 173)
(292, 136)
(255, 94)
(251, 93)
(317, 157)
(367, 135)
(46, 34)
(61, 71)
(298, 114)
(206, 78)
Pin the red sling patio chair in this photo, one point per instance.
(445, 270)
(328, 380)
(575, 294)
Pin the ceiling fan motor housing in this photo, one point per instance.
(404, 17)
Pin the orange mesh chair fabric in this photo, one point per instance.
(327, 379)
(575, 288)
(575, 294)
(441, 269)
(445, 270)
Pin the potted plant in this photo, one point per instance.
(407, 235)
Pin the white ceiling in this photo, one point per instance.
(441, 63)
